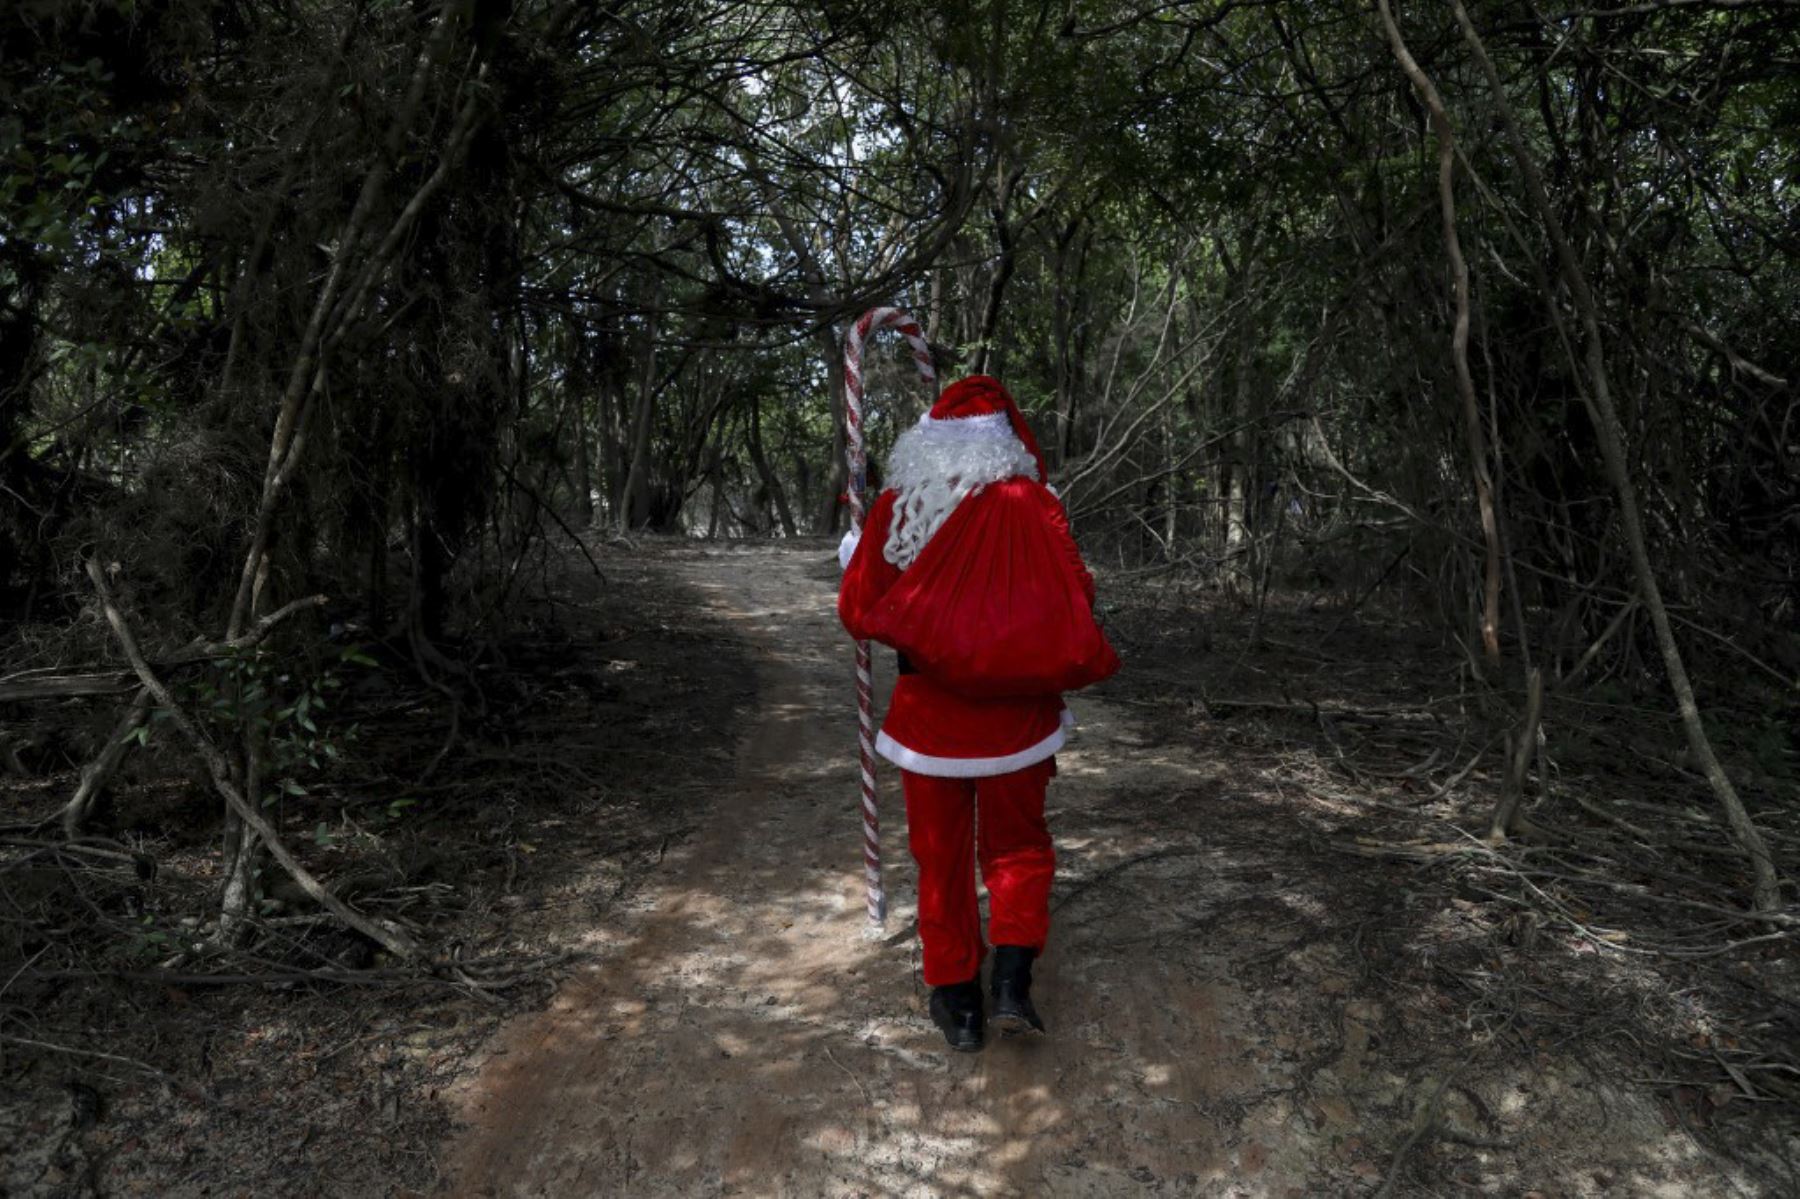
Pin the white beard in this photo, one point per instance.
(936, 465)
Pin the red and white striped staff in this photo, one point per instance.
(872, 321)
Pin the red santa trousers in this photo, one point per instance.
(953, 822)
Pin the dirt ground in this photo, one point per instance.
(304, 1064)
(1216, 1029)
(644, 861)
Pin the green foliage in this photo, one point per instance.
(1209, 235)
(254, 692)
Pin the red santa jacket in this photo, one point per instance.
(949, 731)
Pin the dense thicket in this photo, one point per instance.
(1487, 312)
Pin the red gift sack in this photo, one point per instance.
(998, 602)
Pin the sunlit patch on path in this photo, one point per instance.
(740, 1036)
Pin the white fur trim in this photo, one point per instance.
(936, 465)
(988, 424)
(971, 768)
(1068, 717)
(847, 548)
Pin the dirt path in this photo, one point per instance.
(1211, 1033)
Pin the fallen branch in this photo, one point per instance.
(562, 524)
(261, 629)
(1318, 711)
(1404, 851)
(30, 685)
(140, 862)
(1593, 651)
(1459, 776)
(146, 1067)
(272, 978)
(1425, 1121)
(36, 684)
(389, 938)
(98, 773)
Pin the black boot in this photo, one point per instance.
(1011, 987)
(957, 1010)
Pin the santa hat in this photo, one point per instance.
(981, 407)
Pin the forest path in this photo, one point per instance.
(1220, 1022)
(743, 1037)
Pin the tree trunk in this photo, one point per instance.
(715, 478)
(1238, 466)
(635, 508)
(1505, 820)
(825, 517)
(1766, 891)
(1071, 258)
(612, 441)
(771, 484)
(1459, 338)
(1236, 472)
(584, 478)
(989, 359)
(581, 386)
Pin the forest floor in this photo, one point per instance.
(1276, 967)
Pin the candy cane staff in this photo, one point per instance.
(872, 321)
(966, 566)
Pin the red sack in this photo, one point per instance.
(998, 602)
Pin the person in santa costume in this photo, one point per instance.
(967, 568)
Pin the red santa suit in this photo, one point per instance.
(966, 566)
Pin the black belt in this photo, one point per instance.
(906, 667)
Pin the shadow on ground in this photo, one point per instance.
(1221, 1024)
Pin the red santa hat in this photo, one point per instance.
(986, 406)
